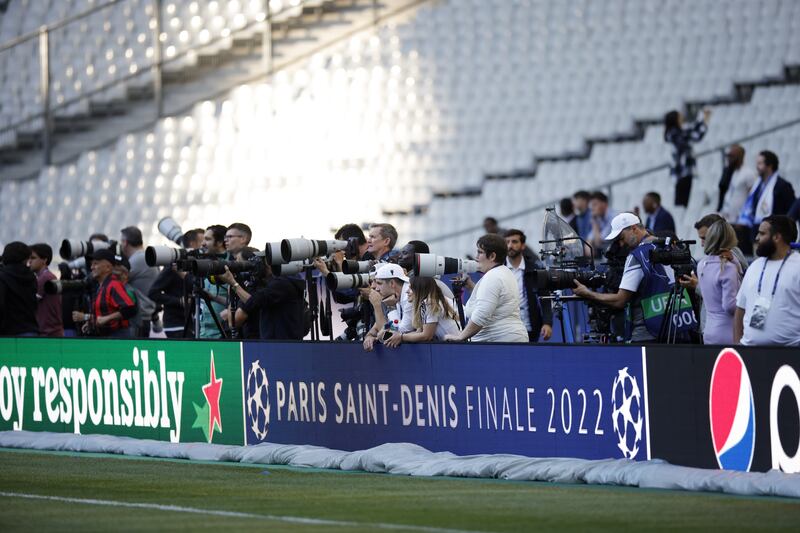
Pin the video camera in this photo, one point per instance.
(675, 253)
(431, 265)
(553, 280)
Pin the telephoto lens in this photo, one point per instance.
(58, 286)
(289, 269)
(163, 255)
(171, 230)
(272, 254)
(73, 249)
(431, 265)
(356, 267)
(209, 267)
(337, 280)
(299, 249)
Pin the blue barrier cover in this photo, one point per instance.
(559, 401)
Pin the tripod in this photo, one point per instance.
(198, 295)
(458, 291)
(672, 321)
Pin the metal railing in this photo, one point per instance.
(609, 186)
(49, 109)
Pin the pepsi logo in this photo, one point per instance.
(732, 412)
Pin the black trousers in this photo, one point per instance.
(683, 188)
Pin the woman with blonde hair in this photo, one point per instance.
(434, 316)
(720, 277)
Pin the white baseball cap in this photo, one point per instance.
(390, 271)
(620, 222)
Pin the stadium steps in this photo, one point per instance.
(743, 92)
(213, 75)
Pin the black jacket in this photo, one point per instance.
(280, 304)
(169, 290)
(539, 311)
(17, 300)
(782, 197)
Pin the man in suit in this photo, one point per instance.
(760, 203)
(658, 218)
(536, 314)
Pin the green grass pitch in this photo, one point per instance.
(130, 495)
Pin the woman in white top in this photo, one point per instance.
(493, 307)
(433, 317)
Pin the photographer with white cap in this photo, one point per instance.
(646, 285)
(389, 282)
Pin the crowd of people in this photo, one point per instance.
(726, 299)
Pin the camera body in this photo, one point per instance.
(674, 253)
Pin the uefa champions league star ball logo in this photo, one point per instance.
(627, 413)
(258, 400)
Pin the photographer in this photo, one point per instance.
(645, 284)
(17, 292)
(493, 307)
(537, 315)
(48, 312)
(381, 239)
(389, 283)
(214, 243)
(112, 307)
(406, 261)
(141, 277)
(279, 306)
(432, 315)
(171, 288)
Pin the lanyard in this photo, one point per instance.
(777, 276)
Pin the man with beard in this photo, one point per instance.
(523, 262)
(768, 303)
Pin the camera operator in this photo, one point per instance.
(644, 283)
(389, 285)
(277, 307)
(214, 243)
(768, 303)
(141, 276)
(112, 306)
(48, 312)
(405, 258)
(360, 316)
(17, 292)
(493, 306)
(171, 288)
(537, 315)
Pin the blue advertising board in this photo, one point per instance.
(556, 401)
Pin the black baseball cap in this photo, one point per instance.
(103, 255)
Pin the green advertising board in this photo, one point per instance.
(165, 390)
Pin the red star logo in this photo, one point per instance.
(212, 392)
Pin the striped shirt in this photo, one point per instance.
(110, 298)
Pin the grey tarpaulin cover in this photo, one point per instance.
(413, 460)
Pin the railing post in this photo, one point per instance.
(158, 93)
(266, 39)
(44, 82)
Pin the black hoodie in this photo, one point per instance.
(17, 300)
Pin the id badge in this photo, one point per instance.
(758, 318)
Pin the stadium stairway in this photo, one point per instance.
(197, 75)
